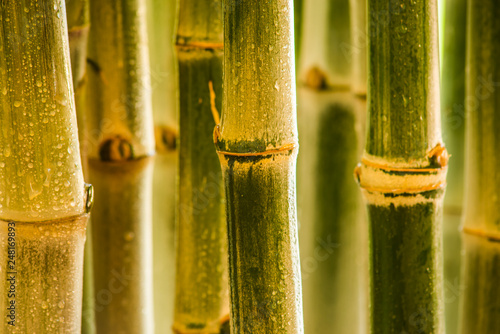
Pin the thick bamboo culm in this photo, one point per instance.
(257, 146)
(403, 170)
(77, 13)
(333, 231)
(43, 202)
(201, 299)
(481, 261)
(161, 25)
(120, 146)
(453, 120)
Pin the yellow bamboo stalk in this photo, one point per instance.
(43, 202)
(161, 26)
(121, 142)
(201, 301)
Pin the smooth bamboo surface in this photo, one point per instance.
(122, 246)
(333, 229)
(120, 146)
(326, 41)
(161, 25)
(453, 119)
(479, 303)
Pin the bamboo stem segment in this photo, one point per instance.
(43, 204)
(403, 171)
(121, 141)
(161, 26)
(257, 144)
(201, 301)
(480, 302)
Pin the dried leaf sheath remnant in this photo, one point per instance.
(480, 302)
(201, 299)
(257, 145)
(43, 207)
(403, 170)
(120, 143)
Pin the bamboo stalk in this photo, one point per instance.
(480, 302)
(161, 25)
(452, 107)
(257, 146)
(333, 232)
(403, 170)
(328, 44)
(43, 202)
(332, 244)
(201, 300)
(357, 48)
(121, 142)
(77, 14)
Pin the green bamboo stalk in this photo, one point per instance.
(43, 202)
(480, 302)
(161, 25)
(257, 145)
(453, 99)
(452, 108)
(201, 300)
(326, 42)
(77, 14)
(121, 140)
(403, 170)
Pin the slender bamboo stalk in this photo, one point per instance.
(453, 114)
(332, 241)
(43, 203)
(403, 170)
(77, 13)
(161, 25)
(480, 302)
(121, 140)
(328, 44)
(357, 48)
(333, 233)
(257, 145)
(201, 301)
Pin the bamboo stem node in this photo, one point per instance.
(378, 176)
(490, 235)
(199, 45)
(287, 148)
